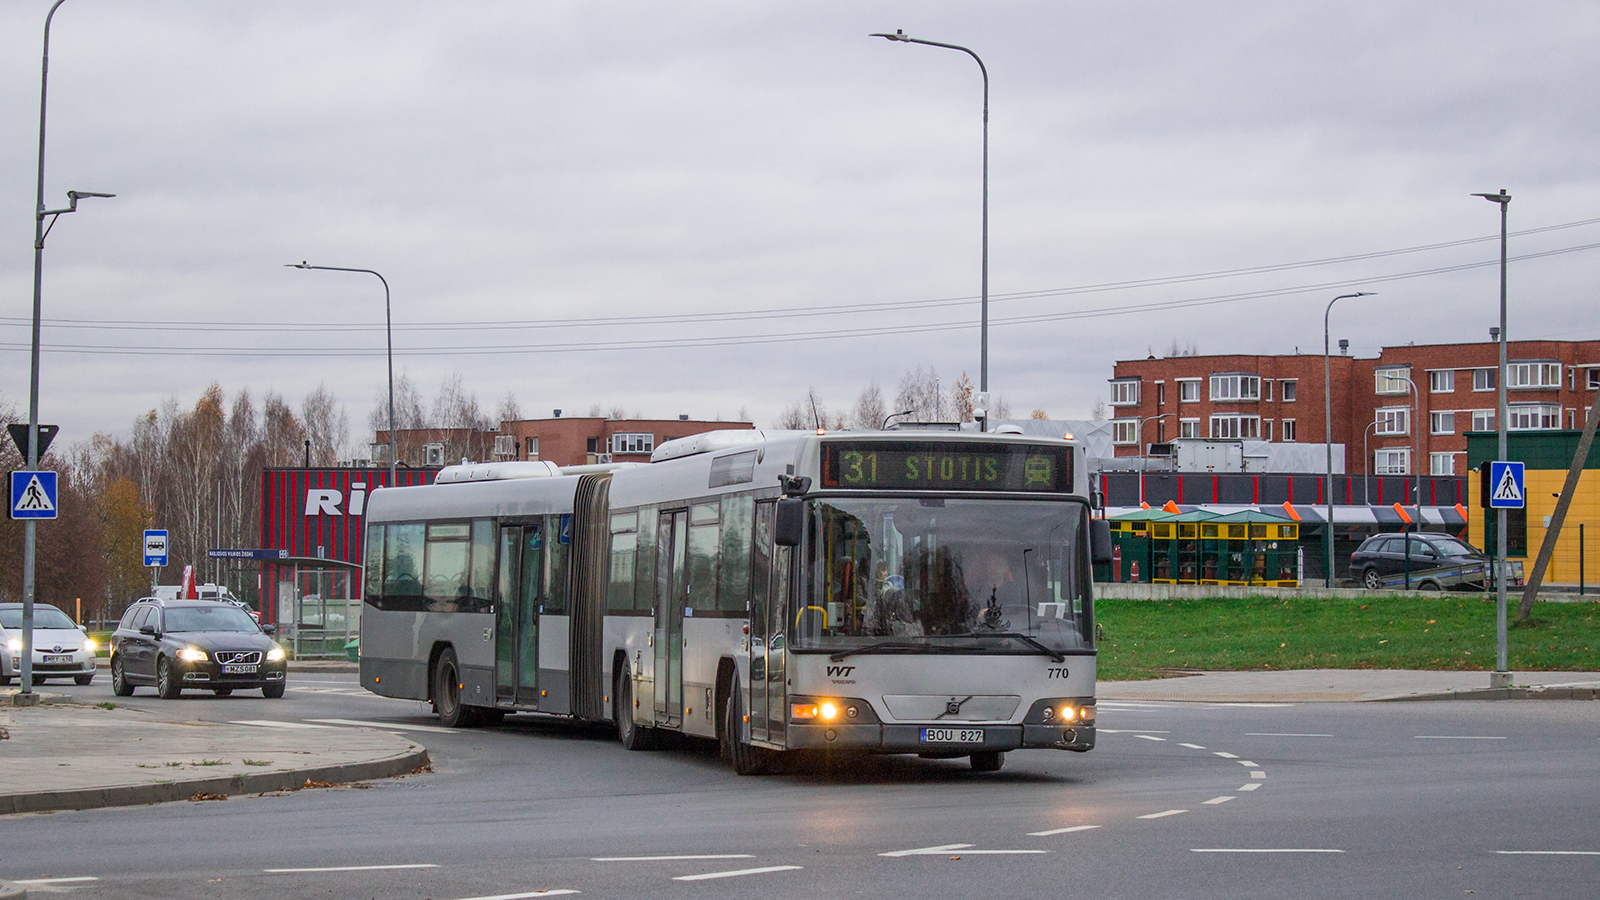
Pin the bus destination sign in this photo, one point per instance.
(936, 465)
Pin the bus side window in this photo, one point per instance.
(372, 577)
(704, 540)
(559, 541)
(445, 566)
(402, 562)
(733, 589)
(644, 580)
(624, 547)
(481, 585)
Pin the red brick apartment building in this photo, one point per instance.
(565, 441)
(1450, 389)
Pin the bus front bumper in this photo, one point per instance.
(909, 738)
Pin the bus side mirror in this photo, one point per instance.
(790, 523)
(1100, 541)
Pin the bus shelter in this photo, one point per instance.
(1132, 543)
(318, 605)
(1175, 547)
(1250, 548)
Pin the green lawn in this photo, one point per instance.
(1147, 638)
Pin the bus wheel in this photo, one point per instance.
(747, 760)
(988, 761)
(447, 692)
(629, 732)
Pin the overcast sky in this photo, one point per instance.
(686, 179)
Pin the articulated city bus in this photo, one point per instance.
(888, 592)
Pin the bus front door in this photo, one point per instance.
(517, 615)
(672, 537)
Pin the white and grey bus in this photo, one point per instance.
(890, 592)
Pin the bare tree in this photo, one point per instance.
(920, 393)
(327, 426)
(1039, 414)
(869, 410)
(794, 417)
(509, 409)
(1098, 412)
(1189, 349)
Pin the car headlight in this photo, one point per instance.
(89, 645)
(190, 654)
(275, 654)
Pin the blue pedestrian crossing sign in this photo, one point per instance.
(33, 495)
(1506, 486)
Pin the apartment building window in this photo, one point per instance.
(1235, 428)
(1161, 393)
(1442, 381)
(505, 446)
(1442, 423)
(632, 442)
(1288, 430)
(1392, 462)
(1484, 379)
(1235, 386)
(1593, 381)
(1188, 428)
(1483, 420)
(1393, 420)
(1266, 388)
(531, 444)
(1125, 432)
(1533, 416)
(1125, 392)
(1288, 390)
(1266, 429)
(1532, 375)
(1189, 390)
(1441, 463)
(1393, 379)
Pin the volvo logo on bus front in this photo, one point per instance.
(952, 707)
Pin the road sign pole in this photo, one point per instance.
(1508, 490)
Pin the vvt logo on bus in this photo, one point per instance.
(840, 671)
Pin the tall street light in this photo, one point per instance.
(1327, 420)
(983, 357)
(1501, 677)
(40, 230)
(1139, 433)
(388, 327)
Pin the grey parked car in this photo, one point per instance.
(1437, 562)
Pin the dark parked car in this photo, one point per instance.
(197, 644)
(1438, 561)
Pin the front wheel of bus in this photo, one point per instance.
(747, 760)
(988, 761)
(447, 692)
(633, 737)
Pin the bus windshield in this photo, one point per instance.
(935, 575)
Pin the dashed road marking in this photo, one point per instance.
(1192, 746)
(1248, 764)
(75, 879)
(1150, 737)
(1131, 731)
(1249, 787)
(926, 851)
(555, 893)
(1062, 830)
(362, 723)
(1501, 852)
(1216, 800)
(273, 723)
(1224, 754)
(1281, 734)
(1251, 705)
(1262, 850)
(350, 868)
(1164, 813)
(735, 873)
(661, 858)
(1459, 737)
(1257, 773)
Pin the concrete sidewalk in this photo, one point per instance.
(1351, 685)
(64, 755)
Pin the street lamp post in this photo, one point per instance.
(983, 338)
(388, 327)
(1366, 464)
(1327, 421)
(1139, 432)
(1501, 677)
(40, 231)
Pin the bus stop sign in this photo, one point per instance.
(155, 548)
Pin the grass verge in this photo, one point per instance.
(1149, 638)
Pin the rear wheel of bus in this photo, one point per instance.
(447, 697)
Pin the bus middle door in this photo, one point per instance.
(672, 537)
(517, 615)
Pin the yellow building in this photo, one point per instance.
(1547, 456)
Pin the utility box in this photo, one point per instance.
(1199, 455)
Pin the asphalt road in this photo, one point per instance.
(1438, 799)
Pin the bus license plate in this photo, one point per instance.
(57, 659)
(239, 670)
(952, 735)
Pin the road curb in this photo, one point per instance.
(10, 891)
(1552, 692)
(167, 791)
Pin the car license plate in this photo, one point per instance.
(952, 735)
(239, 670)
(58, 659)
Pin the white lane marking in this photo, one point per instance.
(350, 868)
(1281, 734)
(685, 856)
(1501, 852)
(1131, 731)
(1249, 787)
(1261, 850)
(1163, 814)
(1224, 754)
(1150, 737)
(1192, 746)
(1216, 800)
(924, 851)
(735, 873)
(1248, 764)
(555, 893)
(1459, 737)
(1253, 705)
(65, 880)
(1062, 830)
(360, 723)
(270, 723)
(1257, 773)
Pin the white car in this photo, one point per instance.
(60, 648)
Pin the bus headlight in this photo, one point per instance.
(190, 654)
(275, 654)
(828, 710)
(14, 645)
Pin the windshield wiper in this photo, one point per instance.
(1044, 648)
(900, 646)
